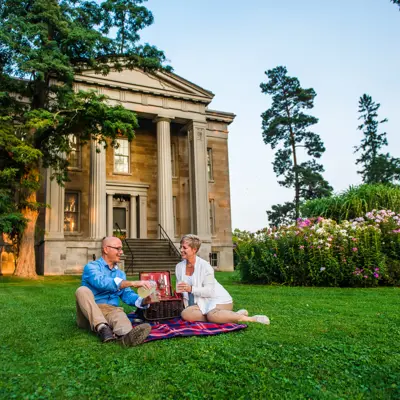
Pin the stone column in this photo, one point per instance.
(199, 180)
(97, 190)
(55, 197)
(164, 182)
(132, 218)
(143, 216)
(110, 228)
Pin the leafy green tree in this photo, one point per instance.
(43, 44)
(286, 125)
(377, 167)
(15, 157)
(282, 214)
(396, 2)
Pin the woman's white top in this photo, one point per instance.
(188, 279)
(207, 291)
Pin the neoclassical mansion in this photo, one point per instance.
(174, 173)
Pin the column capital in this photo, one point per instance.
(161, 118)
(196, 130)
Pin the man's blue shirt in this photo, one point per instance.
(100, 279)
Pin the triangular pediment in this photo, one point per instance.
(160, 83)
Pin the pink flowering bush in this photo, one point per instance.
(360, 252)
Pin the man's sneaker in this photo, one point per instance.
(137, 335)
(106, 334)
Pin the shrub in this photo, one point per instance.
(321, 252)
(354, 202)
(120, 235)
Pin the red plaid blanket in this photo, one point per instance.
(178, 327)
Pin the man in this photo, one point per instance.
(97, 300)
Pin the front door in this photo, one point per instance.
(121, 215)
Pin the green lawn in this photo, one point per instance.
(322, 343)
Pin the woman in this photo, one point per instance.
(204, 297)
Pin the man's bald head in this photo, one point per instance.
(111, 250)
(109, 241)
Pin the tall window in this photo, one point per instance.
(214, 259)
(121, 156)
(212, 217)
(173, 160)
(174, 214)
(71, 212)
(210, 165)
(75, 156)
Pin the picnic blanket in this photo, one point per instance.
(178, 327)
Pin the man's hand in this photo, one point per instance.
(151, 299)
(146, 300)
(135, 284)
(144, 284)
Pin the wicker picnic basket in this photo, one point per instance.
(170, 304)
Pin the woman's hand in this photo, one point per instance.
(183, 287)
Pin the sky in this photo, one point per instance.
(341, 49)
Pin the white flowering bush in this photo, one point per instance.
(360, 252)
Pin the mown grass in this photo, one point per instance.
(323, 343)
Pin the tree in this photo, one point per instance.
(286, 125)
(282, 214)
(43, 44)
(396, 2)
(377, 167)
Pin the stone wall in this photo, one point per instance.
(143, 169)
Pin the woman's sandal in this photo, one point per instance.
(262, 319)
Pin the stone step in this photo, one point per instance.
(165, 263)
(149, 255)
(151, 243)
(148, 251)
(145, 268)
(170, 264)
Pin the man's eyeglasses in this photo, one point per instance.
(119, 249)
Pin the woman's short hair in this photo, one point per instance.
(192, 240)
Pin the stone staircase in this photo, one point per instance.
(149, 255)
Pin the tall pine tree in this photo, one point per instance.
(43, 44)
(286, 125)
(377, 167)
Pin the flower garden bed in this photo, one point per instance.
(320, 252)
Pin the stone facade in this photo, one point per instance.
(174, 173)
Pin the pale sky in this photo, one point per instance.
(341, 49)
